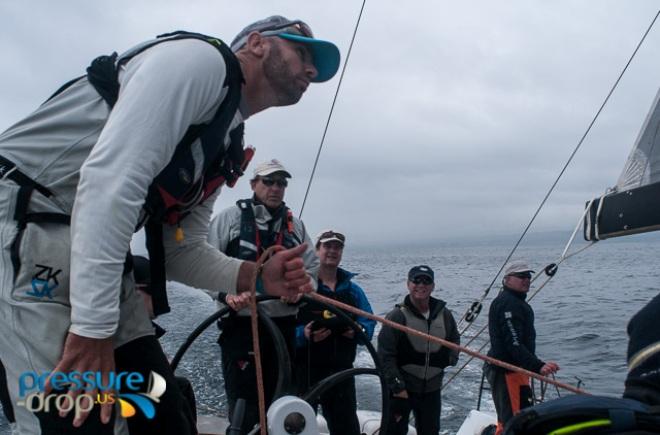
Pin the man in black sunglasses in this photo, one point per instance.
(414, 367)
(513, 340)
(245, 231)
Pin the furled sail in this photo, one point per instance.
(633, 205)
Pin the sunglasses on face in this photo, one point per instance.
(268, 182)
(422, 280)
(298, 27)
(522, 275)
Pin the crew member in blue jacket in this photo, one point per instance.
(327, 344)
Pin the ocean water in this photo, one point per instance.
(581, 314)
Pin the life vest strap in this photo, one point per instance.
(9, 170)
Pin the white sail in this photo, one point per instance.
(633, 206)
(643, 165)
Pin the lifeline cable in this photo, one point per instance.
(332, 108)
(570, 159)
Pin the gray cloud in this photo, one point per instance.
(452, 119)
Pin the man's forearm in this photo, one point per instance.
(245, 277)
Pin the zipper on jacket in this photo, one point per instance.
(428, 353)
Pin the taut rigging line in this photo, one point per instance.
(332, 108)
(473, 311)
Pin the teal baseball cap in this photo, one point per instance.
(324, 53)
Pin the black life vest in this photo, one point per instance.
(253, 241)
(174, 192)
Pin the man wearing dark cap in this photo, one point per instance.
(513, 340)
(143, 140)
(414, 367)
(245, 231)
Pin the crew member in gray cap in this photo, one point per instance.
(245, 231)
(414, 367)
(144, 139)
(513, 340)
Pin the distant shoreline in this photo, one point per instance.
(544, 237)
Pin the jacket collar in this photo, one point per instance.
(263, 214)
(519, 295)
(435, 306)
(343, 279)
(344, 275)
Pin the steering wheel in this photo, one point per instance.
(284, 383)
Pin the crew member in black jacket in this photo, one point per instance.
(643, 381)
(513, 340)
(414, 367)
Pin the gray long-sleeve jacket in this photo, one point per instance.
(100, 162)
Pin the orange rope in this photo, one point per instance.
(254, 323)
(445, 343)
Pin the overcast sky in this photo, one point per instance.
(453, 119)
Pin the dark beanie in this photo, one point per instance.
(643, 381)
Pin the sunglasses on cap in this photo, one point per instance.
(333, 234)
(268, 182)
(298, 26)
(522, 275)
(422, 280)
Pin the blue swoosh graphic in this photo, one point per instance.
(143, 403)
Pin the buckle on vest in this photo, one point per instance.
(6, 174)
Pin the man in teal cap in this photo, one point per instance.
(325, 55)
(145, 139)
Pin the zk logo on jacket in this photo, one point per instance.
(44, 282)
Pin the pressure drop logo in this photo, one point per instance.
(33, 397)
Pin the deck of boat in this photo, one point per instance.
(210, 425)
(369, 424)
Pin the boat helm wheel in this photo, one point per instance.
(284, 363)
(284, 384)
(313, 395)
